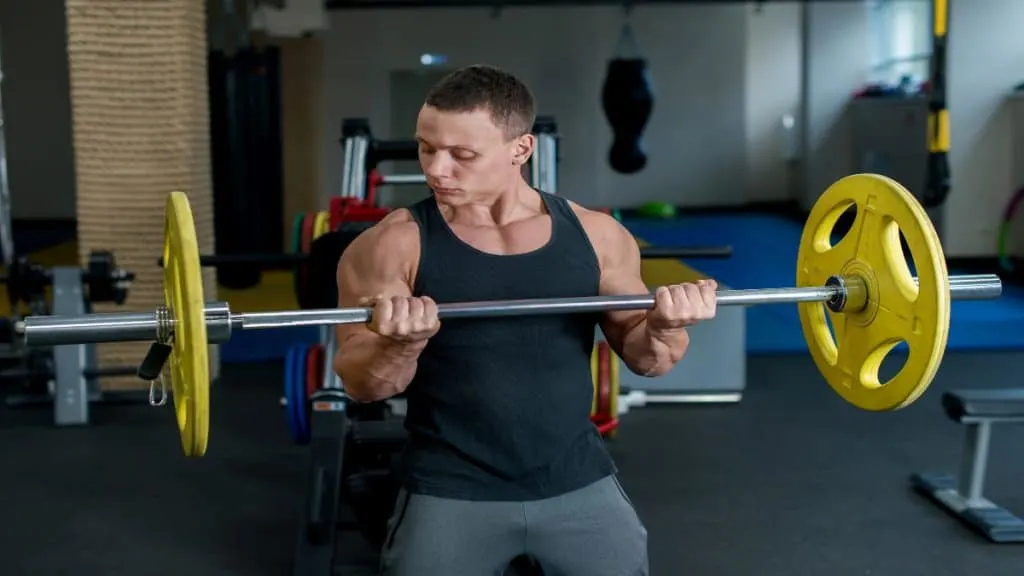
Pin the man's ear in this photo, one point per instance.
(524, 146)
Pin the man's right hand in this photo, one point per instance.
(404, 318)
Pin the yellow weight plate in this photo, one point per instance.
(322, 224)
(595, 371)
(897, 310)
(183, 293)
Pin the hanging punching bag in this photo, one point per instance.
(628, 98)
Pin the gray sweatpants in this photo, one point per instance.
(593, 531)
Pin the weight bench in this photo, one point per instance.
(978, 410)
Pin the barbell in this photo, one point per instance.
(870, 298)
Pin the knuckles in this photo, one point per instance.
(403, 316)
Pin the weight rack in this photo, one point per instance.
(69, 371)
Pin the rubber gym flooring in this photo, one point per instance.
(789, 482)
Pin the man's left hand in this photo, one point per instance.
(681, 305)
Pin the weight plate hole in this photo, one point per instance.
(884, 364)
(900, 260)
(842, 223)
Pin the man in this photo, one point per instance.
(502, 458)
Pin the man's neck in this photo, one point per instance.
(499, 209)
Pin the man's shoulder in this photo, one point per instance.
(601, 228)
(396, 234)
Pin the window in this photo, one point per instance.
(900, 40)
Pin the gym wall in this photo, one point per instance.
(986, 59)
(772, 91)
(834, 66)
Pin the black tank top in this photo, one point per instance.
(499, 408)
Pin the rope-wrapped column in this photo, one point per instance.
(141, 129)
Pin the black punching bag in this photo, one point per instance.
(628, 99)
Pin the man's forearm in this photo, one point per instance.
(649, 354)
(375, 368)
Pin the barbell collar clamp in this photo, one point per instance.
(840, 294)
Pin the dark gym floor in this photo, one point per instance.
(790, 482)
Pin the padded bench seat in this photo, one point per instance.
(978, 410)
(991, 403)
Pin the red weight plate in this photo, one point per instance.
(308, 223)
(604, 382)
(314, 369)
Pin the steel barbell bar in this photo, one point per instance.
(839, 294)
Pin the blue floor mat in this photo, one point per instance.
(764, 256)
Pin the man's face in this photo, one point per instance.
(465, 156)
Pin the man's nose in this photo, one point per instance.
(436, 165)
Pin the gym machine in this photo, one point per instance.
(65, 377)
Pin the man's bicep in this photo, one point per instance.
(363, 274)
(621, 276)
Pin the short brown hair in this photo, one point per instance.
(506, 97)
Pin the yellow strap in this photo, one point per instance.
(938, 140)
(940, 14)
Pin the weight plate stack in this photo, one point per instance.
(308, 280)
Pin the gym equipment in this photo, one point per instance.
(295, 392)
(6, 230)
(685, 252)
(628, 101)
(275, 261)
(978, 410)
(314, 225)
(26, 281)
(362, 153)
(544, 164)
(246, 156)
(659, 210)
(347, 210)
(65, 377)
(863, 281)
(303, 376)
(306, 228)
(604, 366)
(351, 485)
(938, 180)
